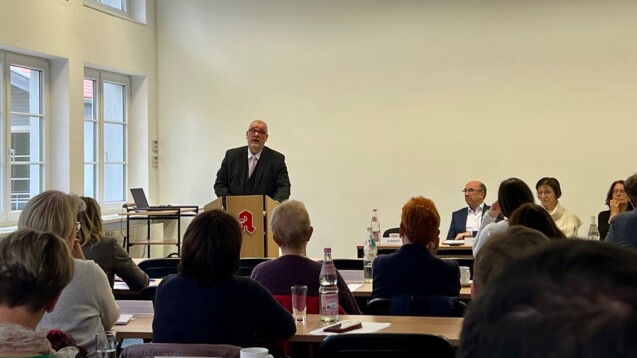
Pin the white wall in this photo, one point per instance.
(377, 101)
(73, 36)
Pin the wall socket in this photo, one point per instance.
(155, 145)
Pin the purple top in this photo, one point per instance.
(280, 274)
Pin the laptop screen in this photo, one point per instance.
(139, 198)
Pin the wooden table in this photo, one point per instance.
(365, 290)
(142, 327)
(458, 252)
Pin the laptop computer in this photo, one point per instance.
(141, 203)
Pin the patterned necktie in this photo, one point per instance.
(253, 164)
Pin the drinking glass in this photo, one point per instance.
(106, 345)
(299, 302)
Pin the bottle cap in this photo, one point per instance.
(327, 250)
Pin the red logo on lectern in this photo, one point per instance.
(246, 220)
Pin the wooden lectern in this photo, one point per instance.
(253, 213)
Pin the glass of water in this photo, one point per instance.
(106, 345)
(299, 302)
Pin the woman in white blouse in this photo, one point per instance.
(548, 192)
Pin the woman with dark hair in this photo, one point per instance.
(535, 217)
(205, 302)
(617, 201)
(105, 250)
(549, 191)
(512, 193)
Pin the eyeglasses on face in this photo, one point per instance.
(78, 226)
(619, 191)
(471, 190)
(256, 130)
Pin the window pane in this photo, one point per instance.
(89, 99)
(25, 90)
(89, 142)
(26, 182)
(26, 139)
(113, 102)
(89, 180)
(113, 143)
(116, 4)
(114, 182)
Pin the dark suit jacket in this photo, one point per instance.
(270, 176)
(623, 230)
(114, 260)
(459, 221)
(412, 270)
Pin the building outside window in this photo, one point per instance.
(106, 97)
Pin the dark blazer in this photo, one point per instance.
(270, 176)
(114, 260)
(412, 270)
(459, 221)
(623, 230)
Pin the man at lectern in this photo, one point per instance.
(254, 169)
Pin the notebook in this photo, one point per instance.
(141, 203)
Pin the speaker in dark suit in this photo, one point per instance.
(459, 221)
(254, 169)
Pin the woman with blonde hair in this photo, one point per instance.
(105, 250)
(34, 268)
(86, 306)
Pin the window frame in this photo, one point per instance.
(100, 77)
(99, 5)
(8, 59)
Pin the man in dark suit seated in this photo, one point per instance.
(413, 269)
(466, 222)
(254, 169)
(623, 227)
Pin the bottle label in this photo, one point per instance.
(329, 304)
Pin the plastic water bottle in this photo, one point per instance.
(375, 225)
(371, 251)
(328, 292)
(593, 231)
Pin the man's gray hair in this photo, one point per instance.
(290, 223)
(630, 187)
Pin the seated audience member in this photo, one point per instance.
(413, 269)
(570, 299)
(512, 193)
(623, 228)
(86, 306)
(468, 219)
(502, 249)
(617, 202)
(549, 191)
(205, 302)
(535, 217)
(34, 268)
(292, 230)
(105, 251)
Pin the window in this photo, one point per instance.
(116, 6)
(22, 124)
(105, 136)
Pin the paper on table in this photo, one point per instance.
(124, 319)
(119, 285)
(368, 327)
(138, 308)
(354, 286)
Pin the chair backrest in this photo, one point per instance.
(312, 303)
(355, 345)
(407, 305)
(151, 350)
(247, 264)
(438, 306)
(348, 264)
(159, 268)
(393, 230)
(147, 293)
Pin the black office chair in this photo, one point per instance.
(393, 230)
(147, 294)
(348, 264)
(373, 345)
(248, 264)
(159, 268)
(407, 305)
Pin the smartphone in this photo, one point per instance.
(344, 326)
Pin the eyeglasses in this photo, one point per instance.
(78, 226)
(470, 190)
(619, 191)
(255, 131)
